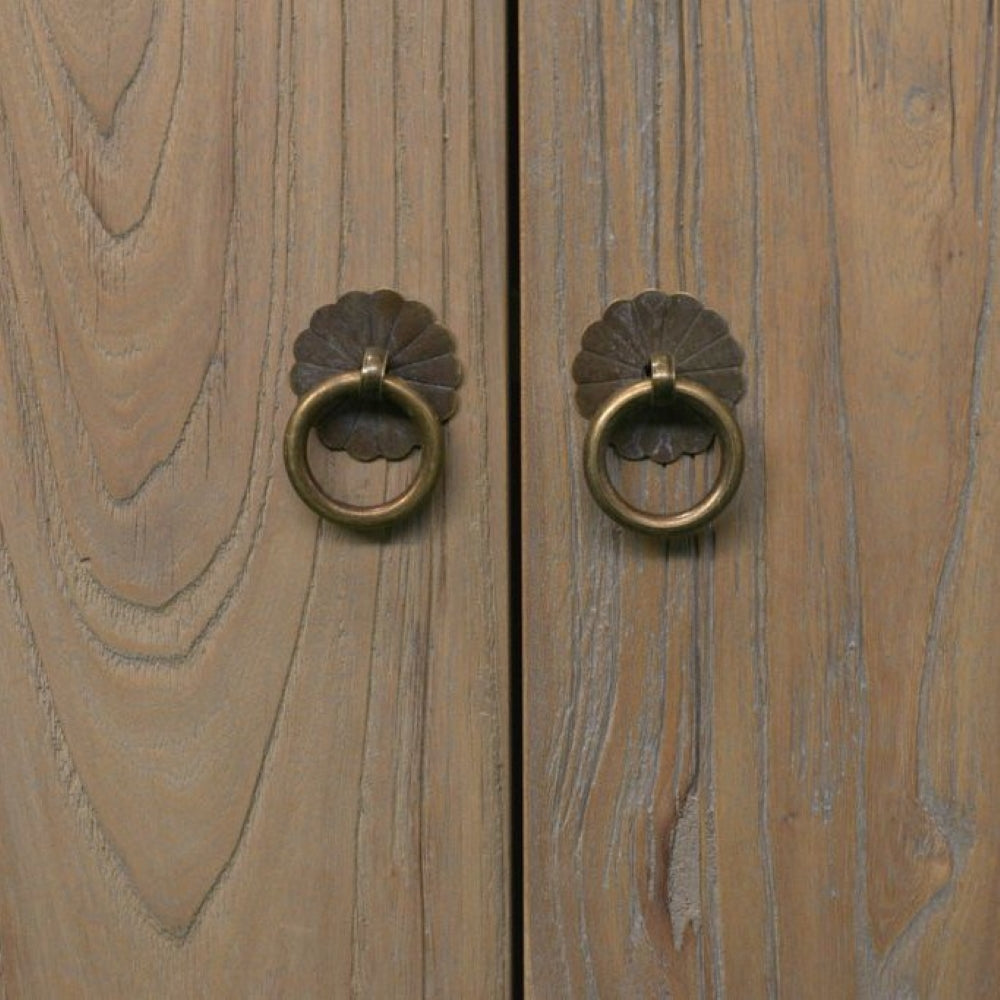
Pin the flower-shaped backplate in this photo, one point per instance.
(419, 351)
(617, 350)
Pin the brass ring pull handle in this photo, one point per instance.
(657, 376)
(727, 480)
(308, 413)
(362, 352)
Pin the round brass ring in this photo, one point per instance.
(310, 410)
(667, 525)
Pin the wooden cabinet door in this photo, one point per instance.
(244, 753)
(764, 762)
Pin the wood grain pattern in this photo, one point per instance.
(762, 762)
(244, 754)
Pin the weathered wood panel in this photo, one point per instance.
(242, 753)
(762, 762)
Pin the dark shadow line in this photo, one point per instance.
(515, 651)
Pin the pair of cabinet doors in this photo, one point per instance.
(508, 748)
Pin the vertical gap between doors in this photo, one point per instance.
(517, 902)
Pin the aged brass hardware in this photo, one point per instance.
(596, 458)
(657, 377)
(376, 377)
(307, 414)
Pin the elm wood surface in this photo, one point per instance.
(244, 753)
(759, 763)
(764, 762)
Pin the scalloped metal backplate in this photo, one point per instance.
(420, 351)
(616, 351)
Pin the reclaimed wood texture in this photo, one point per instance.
(244, 753)
(765, 762)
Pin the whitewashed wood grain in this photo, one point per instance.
(758, 762)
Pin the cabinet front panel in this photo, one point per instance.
(764, 761)
(244, 753)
